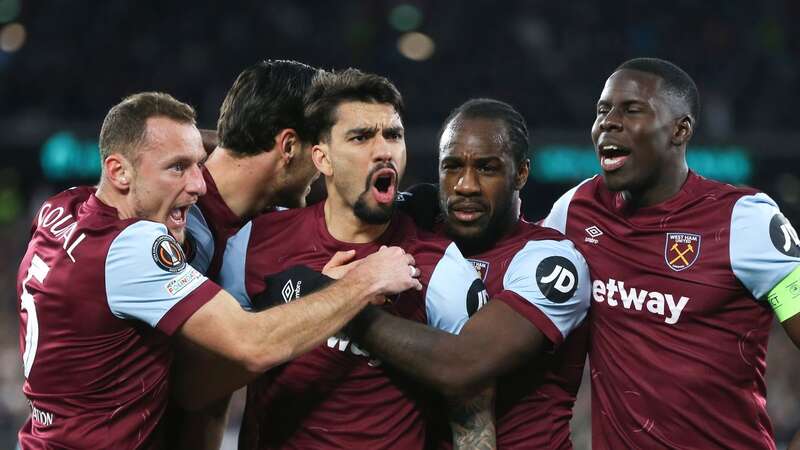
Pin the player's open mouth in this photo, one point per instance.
(383, 185)
(177, 217)
(612, 156)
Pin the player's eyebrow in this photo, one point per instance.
(625, 102)
(369, 131)
(488, 159)
(397, 129)
(452, 159)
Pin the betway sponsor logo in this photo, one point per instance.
(614, 293)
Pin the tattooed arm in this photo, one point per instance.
(472, 421)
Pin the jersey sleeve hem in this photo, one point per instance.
(532, 314)
(184, 309)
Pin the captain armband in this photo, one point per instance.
(785, 296)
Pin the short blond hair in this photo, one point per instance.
(125, 124)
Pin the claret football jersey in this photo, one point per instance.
(99, 297)
(337, 395)
(679, 322)
(540, 274)
(210, 223)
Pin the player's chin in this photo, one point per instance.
(473, 230)
(617, 180)
(374, 214)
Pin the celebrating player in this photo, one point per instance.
(263, 158)
(684, 272)
(338, 396)
(538, 282)
(104, 282)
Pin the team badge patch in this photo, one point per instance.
(481, 266)
(168, 255)
(681, 250)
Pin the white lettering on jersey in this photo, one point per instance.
(342, 343)
(565, 282)
(43, 417)
(54, 221)
(789, 236)
(631, 298)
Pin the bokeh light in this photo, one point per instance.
(405, 17)
(12, 37)
(9, 10)
(416, 46)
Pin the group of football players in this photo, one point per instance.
(378, 319)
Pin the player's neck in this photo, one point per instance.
(240, 181)
(344, 226)
(115, 199)
(669, 183)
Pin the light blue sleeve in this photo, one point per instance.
(554, 277)
(557, 218)
(764, 246)
(203, 238)
(454, 293)
(146, 273)
(232, 273)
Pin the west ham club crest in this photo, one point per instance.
(681, 250)
(481, 266)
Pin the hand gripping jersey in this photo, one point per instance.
(540, 274)
(336, 396)
(210, 223)
(679, 322)
(99, 297)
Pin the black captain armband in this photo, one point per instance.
(289, 285)
(421, 202)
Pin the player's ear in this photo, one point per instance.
(118, 170)
(288, 144)
(321, 158)
(521, 177)
(683, 130)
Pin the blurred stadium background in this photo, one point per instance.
(63, 63)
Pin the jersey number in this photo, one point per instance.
(38, 270)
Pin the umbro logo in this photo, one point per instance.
(593, 233)
(291, 291)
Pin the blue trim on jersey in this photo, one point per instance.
(521, 278)
(136, 286)
(232, 274)
(446, 296)
(755, 260)
(557, 218)
(204, 239)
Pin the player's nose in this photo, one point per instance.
(195, 184)
(468, 183)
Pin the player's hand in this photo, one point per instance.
(379, 300)
(389, 271)
(340, 264)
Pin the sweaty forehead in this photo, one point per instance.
(476, 137)
(363, 115)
